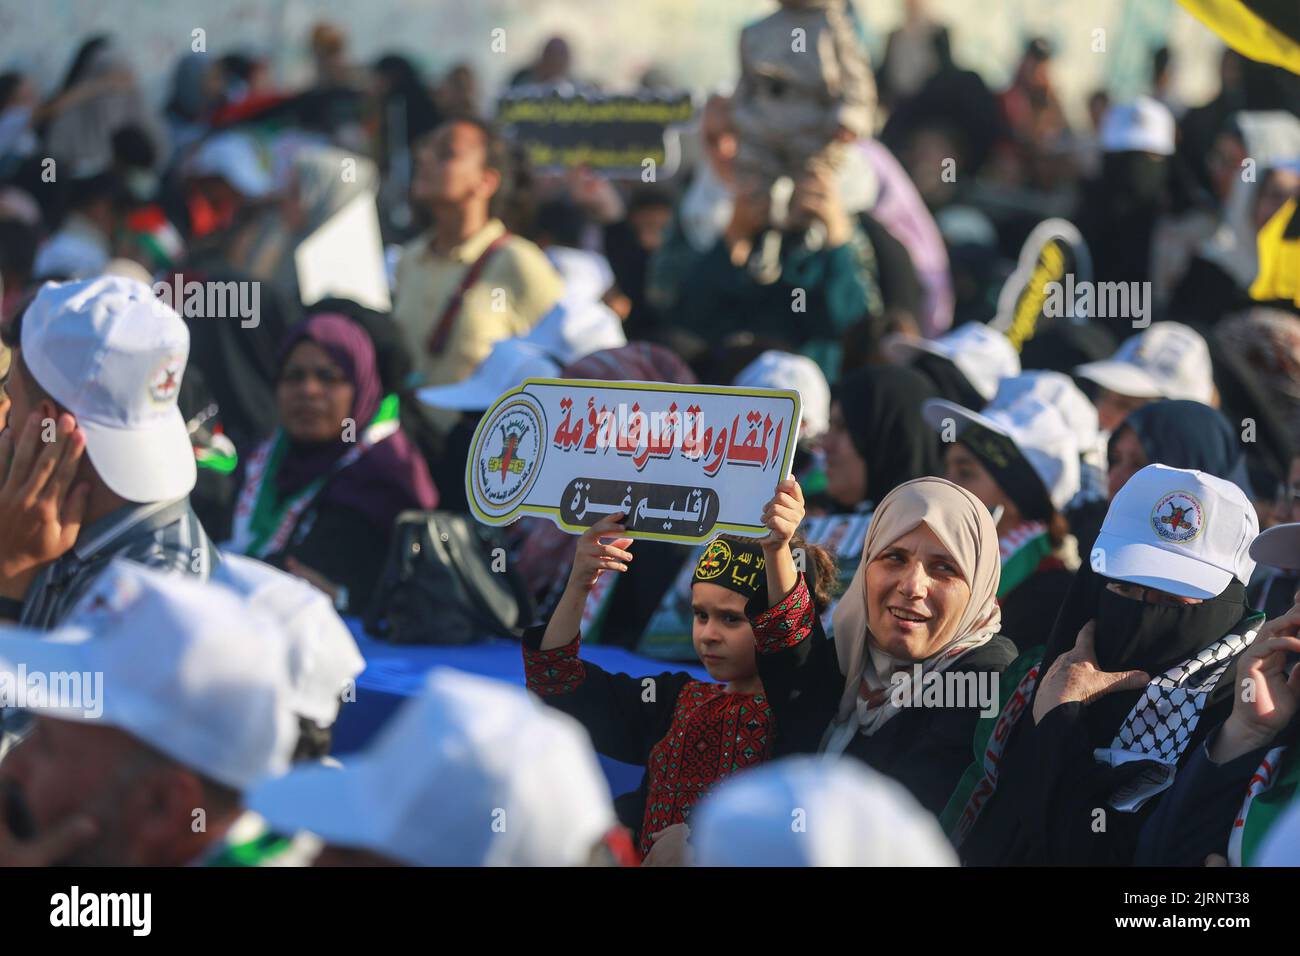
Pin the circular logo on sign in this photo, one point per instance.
(714, 560)
(1178, 517)
(166, 382)
(508, 454)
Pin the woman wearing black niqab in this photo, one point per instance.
(1052, 799)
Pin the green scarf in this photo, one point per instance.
(1263, 808)
(270, 513)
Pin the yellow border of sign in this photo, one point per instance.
(554, 513)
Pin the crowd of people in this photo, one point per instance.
(1063, 632)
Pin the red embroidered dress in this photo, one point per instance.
(688, 734)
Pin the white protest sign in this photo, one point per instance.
(683, 462)
(345, 258)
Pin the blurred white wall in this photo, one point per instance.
(614, 41)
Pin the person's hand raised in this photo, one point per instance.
(817, 196)
(41, 504)
(600, 549)
(1267, 698)
(783, 514)
(1075, 676)
(750, 212)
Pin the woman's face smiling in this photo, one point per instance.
(722, 634)
(915, 596)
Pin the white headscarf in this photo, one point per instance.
(964, 526)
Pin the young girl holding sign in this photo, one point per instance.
(749, 598)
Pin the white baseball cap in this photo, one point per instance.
(509, 363)
(981, 353)
(1177, 530)
(234, 158)
(188, 668)
(323, 654)
(69, 255)
(1144, 125)
(786, 370)
(1039, 432)
(113, 354)
(1165, 360)
(580, 323)
(850, 815)
(1058, 390)
(1278, 547)
(471, 772)
(587, 275)
(573, 330)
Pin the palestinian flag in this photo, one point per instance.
(156, 236)
(1021, 549)
(1264, 30)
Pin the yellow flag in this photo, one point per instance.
(1263, 30)
(1278, 244)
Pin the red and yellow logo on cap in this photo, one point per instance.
(714, 560)
(166, 382)
(1178, 517)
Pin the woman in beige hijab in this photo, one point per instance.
(917, 650)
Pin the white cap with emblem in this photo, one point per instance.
(1177, 530)
(113, 354)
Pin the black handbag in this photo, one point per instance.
(441, 584)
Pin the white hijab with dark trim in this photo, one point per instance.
(965, 528)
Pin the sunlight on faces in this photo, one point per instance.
(846, 472)
(56, 770)
(450, 166)
(964, 469)
(1126, 459)
(65, 768)
(722, 634)
(915, 596)
(1113, 408)
(314, 395)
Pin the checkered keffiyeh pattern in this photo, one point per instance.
(1161, 723)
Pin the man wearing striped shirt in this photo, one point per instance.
(96, 462)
